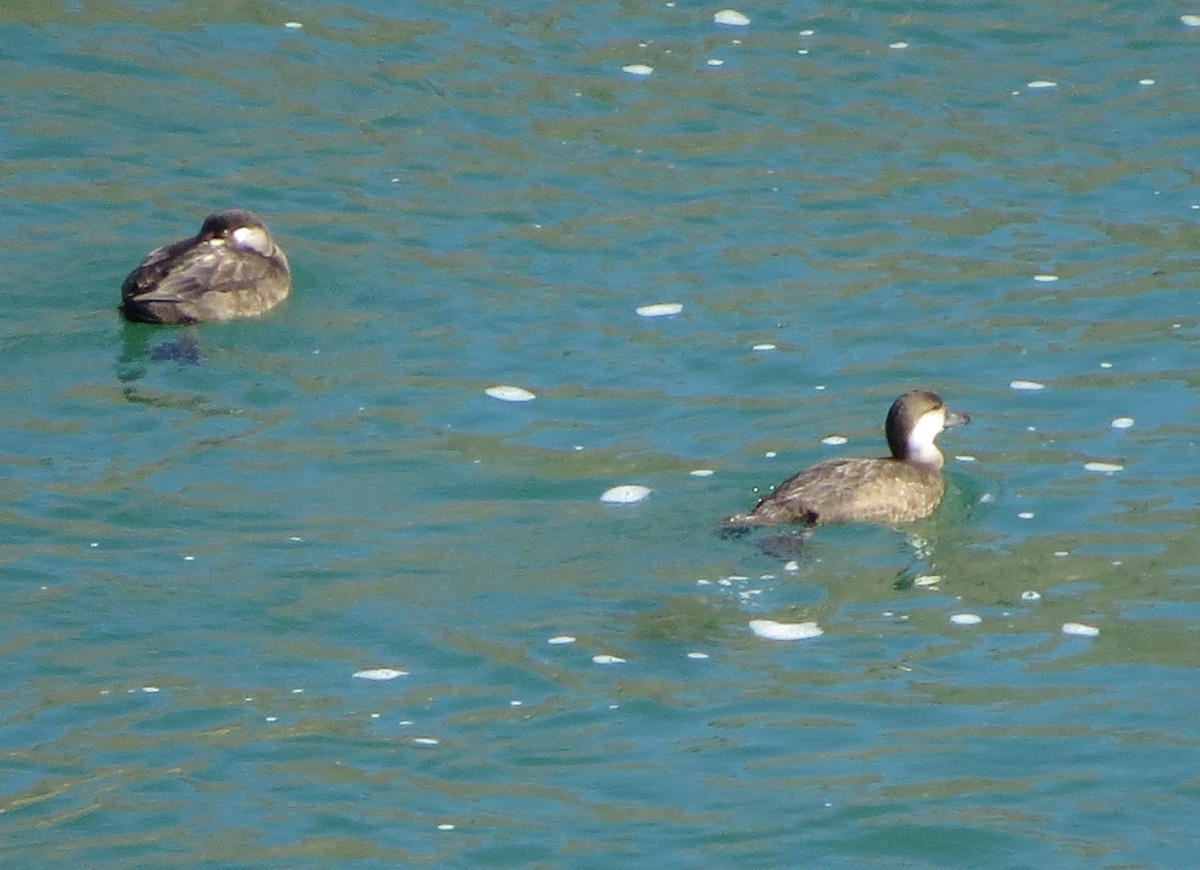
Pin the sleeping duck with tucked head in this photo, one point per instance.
(231, 268)
(906, 486)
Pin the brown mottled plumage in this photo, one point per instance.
(905, 486)
(231, 268)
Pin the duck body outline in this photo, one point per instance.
(905, 486)
(231, 268)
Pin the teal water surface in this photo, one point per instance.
(197, 559)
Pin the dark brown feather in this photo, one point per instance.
(896, 489)
(208, 277)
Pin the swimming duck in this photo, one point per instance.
(906, 486)
(231, 268)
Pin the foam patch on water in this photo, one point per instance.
(626, 493)
(697, 655)
(604, 659)
(660, 309)
(1045, 279)
(1041, 84)
(701, 472)
(765, 346)
(560, 639)
(834, 440)
(1030, 595)
(731, 17)
(509, 393)
(898, 45)
(1121, 422)
(380, 674)
(1078, 629)
(637, 69)
(1104, 467)
(966, 619)
(1190, 20)
(769, 629)
(1025, 385)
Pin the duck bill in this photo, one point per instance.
(953, 418)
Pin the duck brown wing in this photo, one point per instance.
(796, 500)
(804, 497)
(154, 269)
(186, 283)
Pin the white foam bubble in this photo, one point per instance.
(660, 309)
(509, 393)
(637, 69)
(1190, 20)
(1030, 595)
(1045, 279)
(560, 639)
(731, 17)
(713, 61)
(1121, 422)
(1078, 629)
(1104, 467)
(626, 493)
(927, 580)
(1025, 385)
(769, 629)
(1040, 84)
(765, 346)
(701, 472)
(898, 45)
(426, 741)
(1025, 515)
(834, 440)
(293, 25)
(380, 674)
(966, 619)
(697, 655)
(605, 659)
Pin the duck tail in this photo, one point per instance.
(739, 524)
